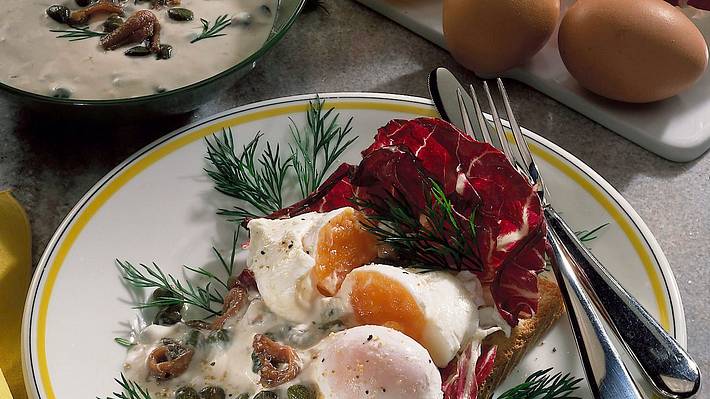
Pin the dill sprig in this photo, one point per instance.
(77, 33)
(130, 390)
(589, 235)
(540, 385)
(318, 145)
(435, 241)
(208, 31)
(255, 180)
(153, 277)
(208, 297)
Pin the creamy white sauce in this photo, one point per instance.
(33, 59)
(226, 365)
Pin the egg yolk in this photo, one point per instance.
(343, 245)
(379, 300)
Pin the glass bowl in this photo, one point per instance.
(175, 101)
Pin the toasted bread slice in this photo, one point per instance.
(523, 336)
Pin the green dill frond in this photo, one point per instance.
(540, 385)
(318, 145)
(77, 33)
(433, 240)
(255, 180)
(153, 277)
(209, 297)
(589, 235)
(208, 31)
(130, 390)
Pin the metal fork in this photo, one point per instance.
(606, 374)
(665, 364)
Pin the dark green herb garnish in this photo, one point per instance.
(257, 179)
(59, 13)
(432, 238)
(254, 180)
(180, 14)
(322, 139)
(208, 31)
(77, 33)
(130, 390)
(540, 385)
(209, 297)
(138, 51)
(589, 235)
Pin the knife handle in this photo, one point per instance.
(668, 367)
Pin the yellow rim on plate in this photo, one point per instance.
(130, 169)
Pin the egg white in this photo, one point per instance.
(450, 310)
(281, 256)
(376, 362)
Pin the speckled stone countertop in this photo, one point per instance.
(354, 49)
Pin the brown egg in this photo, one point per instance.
(491, 36)
(635, 51)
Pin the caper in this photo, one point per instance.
(138, 51)
(218, 336)
(165, 51)
(299, 391)
(83, 3)
(59, 13)
(242, 18)
(192, 338)
(266, 395)
(180, 14)
(169, 315)
(212, 392)
(265, 9)
(186, 393)
(61, 92)
(111, 24)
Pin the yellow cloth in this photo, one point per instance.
(15, 270)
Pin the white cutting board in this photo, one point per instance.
(677, 128)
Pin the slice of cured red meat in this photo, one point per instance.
(459, 381)
(510, 230)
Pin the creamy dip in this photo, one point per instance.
(228, 363)
(33, 59)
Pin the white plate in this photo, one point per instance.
(159, 206)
